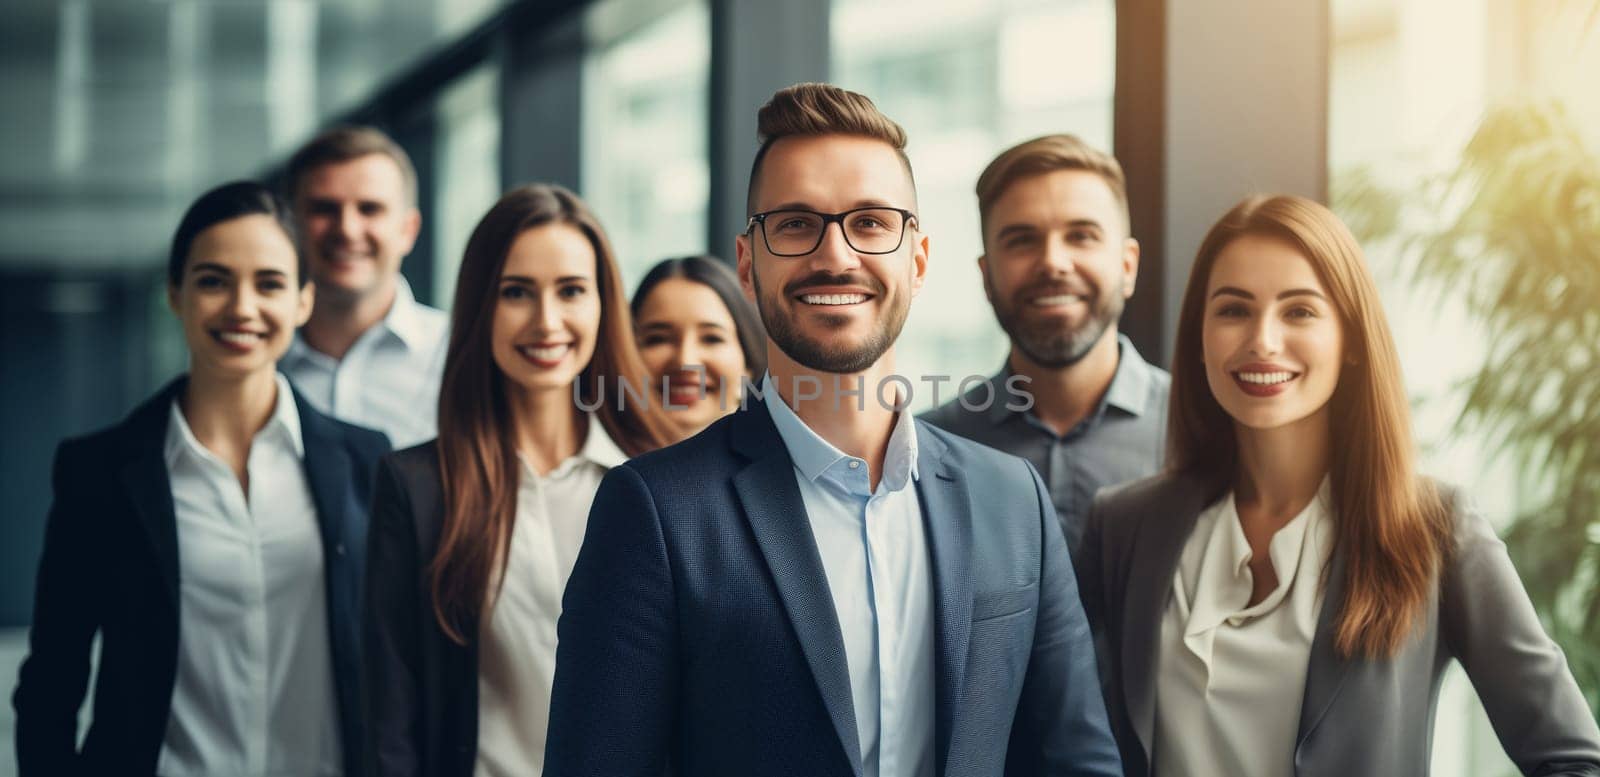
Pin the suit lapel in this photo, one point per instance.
(328, 471)
(149, 485)
(777, 515)
(327, 474)
(1326, 670)
(1157, 546)
(947, 516)
(150, 489)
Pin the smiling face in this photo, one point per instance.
(547, 309)
(358, 224)
(1273, 343)
(1058, 264)
(682, 323)
(834, 309)
(239, 299)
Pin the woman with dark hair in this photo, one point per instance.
(213, 540)
(475, 532)
(1285, 597)
(699, 336)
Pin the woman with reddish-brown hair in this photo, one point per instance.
(1284, 598)
(474, 534)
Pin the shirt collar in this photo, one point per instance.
(1286, 544)
(814, 456)
(1130, 387)
(402, 319)
(283, 424)
(598, 448)
(1129, 390)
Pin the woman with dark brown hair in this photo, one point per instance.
(210, 543)
(700, 337)
(1284, 598)
(475, 533)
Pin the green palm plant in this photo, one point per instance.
(1519, 241)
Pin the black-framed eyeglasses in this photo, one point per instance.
(797, 232)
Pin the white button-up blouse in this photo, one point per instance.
(517, 641)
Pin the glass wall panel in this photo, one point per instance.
(1462, 150)
(468, 175)
(966, 79)
(645, 109)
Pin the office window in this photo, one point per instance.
(453, 18)
(645, 106)
(468, 175)
(1480, 116)
(966, 80)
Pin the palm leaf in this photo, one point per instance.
(1514, 231)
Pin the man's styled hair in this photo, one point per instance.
(344, 143)
(1046, 155)
(821, 109)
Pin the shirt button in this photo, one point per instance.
(855, 465)
(338, 550)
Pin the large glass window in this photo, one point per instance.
(1462, 149)
(966, 80)
(468, 171)
(645, 108)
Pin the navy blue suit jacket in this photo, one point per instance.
(698, 635)
(110, 565)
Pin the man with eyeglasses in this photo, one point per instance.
(819, 584)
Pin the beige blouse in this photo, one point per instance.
(1230, 678)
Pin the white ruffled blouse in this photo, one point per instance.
(1231, 677)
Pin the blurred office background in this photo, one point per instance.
(1459, 137)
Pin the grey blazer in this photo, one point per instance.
(1359, 717)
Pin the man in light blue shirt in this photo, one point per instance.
(875, 557)
(820, 584)
(370, 353)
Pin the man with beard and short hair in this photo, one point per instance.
(819, 584)
(370, 353)
(1058, 265)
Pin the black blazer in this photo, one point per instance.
(1358, 716)
(110, 565)
(422, 688)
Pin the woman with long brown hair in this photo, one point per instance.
(1284, 598)
(474, 533)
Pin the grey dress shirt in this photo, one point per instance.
(1124, 438)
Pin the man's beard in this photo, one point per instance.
(1050, 345)
(827, 357)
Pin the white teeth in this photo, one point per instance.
(832, 299)
(1056, 299)
(548, 354)
(1265, 378)
(239, 338)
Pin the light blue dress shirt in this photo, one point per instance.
(875, 554)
